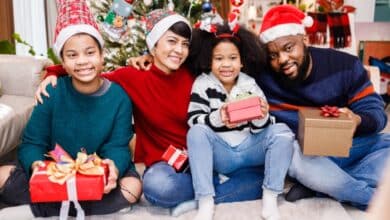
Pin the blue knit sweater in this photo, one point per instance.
(98, 123)
(336, 79)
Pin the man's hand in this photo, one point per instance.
(42, 88)
(112, 176)
(141, 63)
(355, 117)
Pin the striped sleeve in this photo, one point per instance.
(199, 110)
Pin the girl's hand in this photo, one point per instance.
(225, 117)
(112, 176)
(141, 63)
(42, 88)
(264, 107)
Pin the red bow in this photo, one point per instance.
(330, 111)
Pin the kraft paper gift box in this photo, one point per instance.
(324, 136)
(89, 187)
(176, 158)
(244, 110)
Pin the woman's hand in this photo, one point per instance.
(113, 174)
(141, 63)
(42, 88)
(225, 117)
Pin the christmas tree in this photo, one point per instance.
(122, 23)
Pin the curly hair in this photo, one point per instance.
(202, 44)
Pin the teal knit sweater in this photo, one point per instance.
(98, 123)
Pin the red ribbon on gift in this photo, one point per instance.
(330, 111)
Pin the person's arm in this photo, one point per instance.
(199, 110)
(367, 105)
(141, 63)
(258, 124)
(36, 136)
(116, 147)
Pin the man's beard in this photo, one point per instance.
(302, 72)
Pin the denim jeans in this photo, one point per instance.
(208, 153)
(352, 179)
(164, 187)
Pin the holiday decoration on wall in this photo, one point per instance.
(122, 23)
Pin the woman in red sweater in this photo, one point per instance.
(161, 97)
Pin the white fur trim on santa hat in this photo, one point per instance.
(161, 27)
(280, 31)
(71, 30)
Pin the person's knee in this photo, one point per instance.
(131, 188)
(197, 131)
(5, 172)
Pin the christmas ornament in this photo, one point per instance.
(115, 22)
(237, 3)
(148, 2)
(171, 6)
(207, 6)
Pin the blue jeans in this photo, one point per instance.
(164, 187)
(352, 179)
(209, 153)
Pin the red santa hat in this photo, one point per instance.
(283, 20)
(158, 22)
(74, 17)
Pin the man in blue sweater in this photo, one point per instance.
(302, 76)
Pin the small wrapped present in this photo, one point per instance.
(175, 157)
(67, 180)
(244, 110)
(325, 132)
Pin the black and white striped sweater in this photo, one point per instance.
(207, 97)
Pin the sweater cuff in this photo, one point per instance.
(214, 119)
(367, 125)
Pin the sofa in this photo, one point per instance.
(19, 78)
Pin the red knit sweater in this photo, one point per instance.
(160, 107)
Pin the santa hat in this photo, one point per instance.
(283, 20)
(74, 17)
(158, 22)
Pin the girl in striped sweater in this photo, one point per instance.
(215, 145)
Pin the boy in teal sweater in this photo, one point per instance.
(88, 112)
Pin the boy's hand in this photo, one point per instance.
(112, 176)
(42, 88)
(35, 166)
(141, 63)
(355, 117)
(225, 117)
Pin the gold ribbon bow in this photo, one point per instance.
(64, 167)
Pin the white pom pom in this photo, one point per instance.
(307, 21)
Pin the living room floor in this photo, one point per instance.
(305, 209)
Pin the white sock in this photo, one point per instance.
(270, 205)
(206, 208)
(184, 207)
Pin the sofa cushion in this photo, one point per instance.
(14, 114)
(20, 75)
(0, 89)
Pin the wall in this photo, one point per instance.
(29, 22)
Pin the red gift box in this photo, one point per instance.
(89, 187)
(175, 157)
(65, 179)
(244, 110)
